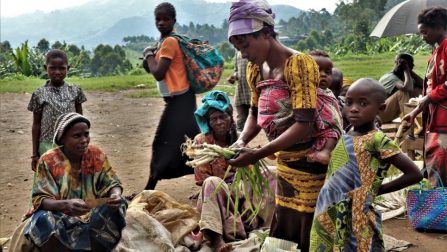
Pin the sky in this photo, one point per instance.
(10, 8)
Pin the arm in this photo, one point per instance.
(411, 174)
(158, 69)
(78, 107)
(298, 130)
(251, 128)
(407, 85)
(73, 207)
(35, 132)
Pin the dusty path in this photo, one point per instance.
(124, 128)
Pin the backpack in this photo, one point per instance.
(203, 63)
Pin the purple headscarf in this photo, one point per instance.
(248, 16)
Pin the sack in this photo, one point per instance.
(427, 208)
(203, 63)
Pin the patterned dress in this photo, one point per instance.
(344, 217)
(56, 180)
(53, 102)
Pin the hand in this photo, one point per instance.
(75, 207)
(409, 119)
(149, 51)
(115, 201)
(232, 79)
(244, 158)
(238, 144)
(34, 160)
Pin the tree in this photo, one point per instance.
(43, 46)
(109, 61)
(74, 50)
(226, 50)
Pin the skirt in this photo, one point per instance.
(176, 122)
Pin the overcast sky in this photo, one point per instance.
(10, 8)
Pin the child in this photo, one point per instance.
(344, 217)
(50, 101)
(166, 64)
(329, 120)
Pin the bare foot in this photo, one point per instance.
(319, 156)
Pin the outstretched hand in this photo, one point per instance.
(245, 157)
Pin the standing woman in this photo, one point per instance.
(166, 65)
(283, 102)
(432, 25)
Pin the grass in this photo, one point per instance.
(374, 66)
(353, 67)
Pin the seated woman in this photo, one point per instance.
(76, 196)
(215, 120)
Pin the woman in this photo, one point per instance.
(77, 203)
(177, 120)
(283, 103)
(215, 119)
(432, 25)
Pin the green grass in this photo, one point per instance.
(107, 83)
(374, 66)
(353, 67)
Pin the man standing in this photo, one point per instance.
(242, 95)
(401, 84)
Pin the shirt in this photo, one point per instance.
(53, 102)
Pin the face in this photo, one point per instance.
(76, 139)
(325, 66)
(164, 22)
(361, 107)
(220, 122)
(57, 70)
(253, 49)
(431, 35)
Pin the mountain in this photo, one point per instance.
(109, 21)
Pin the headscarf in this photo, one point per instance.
(213, 100)
(64, 122)
(249, 16)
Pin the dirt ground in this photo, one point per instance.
(124, 128)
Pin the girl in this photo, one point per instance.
(283, 103)
(55, 98)
(177, 120)
(345, 219)
(433, 27)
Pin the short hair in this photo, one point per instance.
(433, 17)
(319, 53)
(373, 87)
(168, 7)
(55, 54)
(407, 57)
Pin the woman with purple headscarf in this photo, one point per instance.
(283, 86)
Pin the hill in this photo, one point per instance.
(108, 21)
